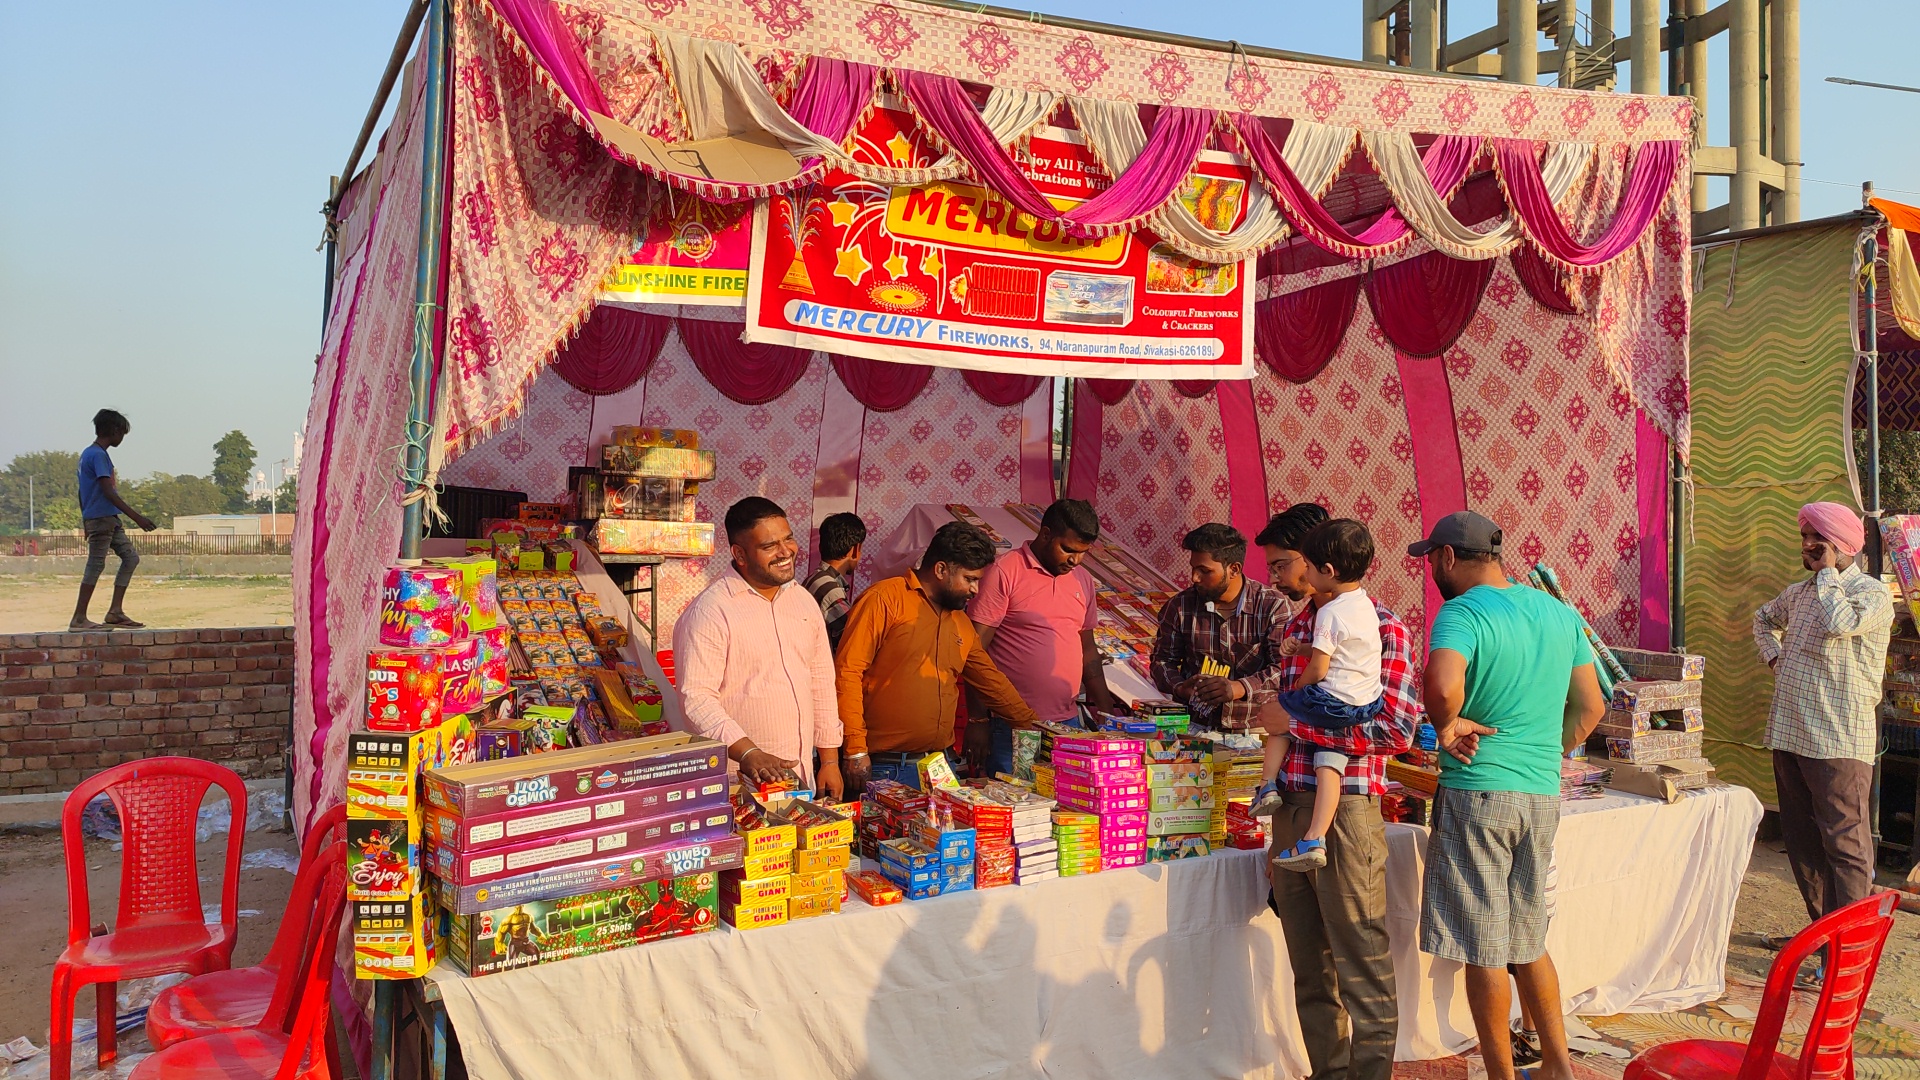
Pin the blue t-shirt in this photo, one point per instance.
(1522, 647)
(94, 466)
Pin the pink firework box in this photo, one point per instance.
(1098, 747)
(564, 776)
(1065, 785)
(405, 688)
(1902, 535)
(468, 833)
(463, 691)
(1109, 861)
(686, 826)
(1099, 772)
(495, 649)
(1100, 804)
(572, 879)
(420, 606)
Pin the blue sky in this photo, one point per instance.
(164, 164)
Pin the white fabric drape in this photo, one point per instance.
(1425, 209)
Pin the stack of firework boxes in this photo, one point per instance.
(441, 658)
(1012, 829)
(935, 857)
(1104, 776)
(1180, 796)
(574, 852)
(797, 854)
(1236, 776)
(1651, 736)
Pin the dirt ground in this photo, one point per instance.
(30, 604)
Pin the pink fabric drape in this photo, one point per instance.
(1422, 304)
(832, 94)
(1447, 161)
(1083, 460)
(1173, 145)
(1439, 471)
(996, 388)
(882, 385)
(613, 350)
(1246, 466)
(750, 374)
(1296, 334)
(1109, 391)
(1652, 458)
(1551, 286)
(1647, 184)
(1194, 388)
(555, 48)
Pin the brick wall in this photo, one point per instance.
(73, 704)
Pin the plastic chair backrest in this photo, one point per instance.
(309, 1017)
(1853, 937)
(288, 953)
(158, 800)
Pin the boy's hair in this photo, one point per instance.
(1223, 542)
(840, 534)
(1288, 527)
(1343, 544)
(963, 545)
(1074, 516)
(108, 422)
(748, 512)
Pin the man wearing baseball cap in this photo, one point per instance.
(1825, 638)
(1510, 688)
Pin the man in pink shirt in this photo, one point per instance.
(1035, 613)
(754, 666)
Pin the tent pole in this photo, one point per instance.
(426, 285)
(1870, 353)
(333, 252)
(1066, 436)
(396, 60)
(1677, 557)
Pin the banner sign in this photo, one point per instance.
(949, 274)
(692, 252)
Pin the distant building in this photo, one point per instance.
(272, 526)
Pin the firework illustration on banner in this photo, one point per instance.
(691, 252)
(948, 273)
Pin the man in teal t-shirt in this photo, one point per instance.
(1510, 687)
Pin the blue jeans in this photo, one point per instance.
(903, 772)
(1002, 745)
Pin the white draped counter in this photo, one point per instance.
(1170, 970)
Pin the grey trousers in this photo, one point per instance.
(1825, 824)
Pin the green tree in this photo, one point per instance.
(163, 497)
(1899, 469)
(233, 459)
(53, 493)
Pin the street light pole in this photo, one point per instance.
(1875, 85)
(30, 502)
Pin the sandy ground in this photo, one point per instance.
(41, 603)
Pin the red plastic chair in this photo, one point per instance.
(239, 997)
(160, 928)
(294, 1040)
(1853, 937)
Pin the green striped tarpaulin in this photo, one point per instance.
(1770, 375)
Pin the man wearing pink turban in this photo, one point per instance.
(1826, 640)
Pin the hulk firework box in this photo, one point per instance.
(522, 934)
(572, 879)
(421, 605)
(404, 689)
(459, 868)
(477, 832)
(566, 776)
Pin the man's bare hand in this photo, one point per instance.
(760, 767)
(828, 783)
(1216, 691)
(857, 770)
(1293, 647)
(146, 523)
(1461, 738)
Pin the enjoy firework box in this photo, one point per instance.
(582, 773)
(405, 689)
(383, 858)
(596, 842)
(461, 685)
(543, 931)
(420, 606)
(572, 879)
(393, 939)
(470, 833)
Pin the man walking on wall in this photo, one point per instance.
(100, 510)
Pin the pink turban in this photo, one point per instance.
(1838, 523)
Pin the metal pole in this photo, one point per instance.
(1696, 48)
(396, 60)
(426, 285)
(333, 252)
(1677, 559)
(1870, 354)
(1066, 436)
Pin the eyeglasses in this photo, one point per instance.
(1282, 564)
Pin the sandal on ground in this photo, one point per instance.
(1303, 855)
(85, 627)
(121, 622)
(1525, 1053)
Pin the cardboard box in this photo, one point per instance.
(1625, 722)
(1170, 848)
(384, 769)
(824, 881)
(599, 843)
(469, 833)
(666, 462)
(405, 687)
(592, 875)
(754, 916)
(1645, 696)
(736, 889)
(1181, 797)
(1178, 749)
(678, 538)
(1650, 748)
(771, 839)
(1159, 775)
(543, 931)
(814, 825)
(1661, 666)
(816, 860)
(1177, 822)
(766, 864)
(580, 774)
(393, 939)
(1665, 781)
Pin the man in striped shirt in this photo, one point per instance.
(831, 586)
(1826, 640)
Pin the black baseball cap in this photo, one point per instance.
(1461, 531)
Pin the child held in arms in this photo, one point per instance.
(100, 509)
(1340, 687)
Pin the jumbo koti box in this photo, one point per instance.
(543, 931)
(564, 776)
(470, 833)
(605, 842)
(573, 879)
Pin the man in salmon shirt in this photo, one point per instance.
(1035, 614)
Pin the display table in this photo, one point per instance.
(1171, 970)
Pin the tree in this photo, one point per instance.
(233, 459)
(163, 497)
(54, 491)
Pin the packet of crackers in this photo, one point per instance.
(873, 887)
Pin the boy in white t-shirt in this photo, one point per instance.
(1341, 686)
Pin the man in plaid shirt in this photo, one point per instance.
(1222, 616)
(1338, 912)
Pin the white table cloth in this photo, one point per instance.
(1174, 970)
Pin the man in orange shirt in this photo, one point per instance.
(907, 646)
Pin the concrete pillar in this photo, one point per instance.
(1602, 20)
(1784, 37)
(1646, 46)
(1743, 114)
(1520, 56)
(1373, 35)
(1426, 34)
(1696, 68)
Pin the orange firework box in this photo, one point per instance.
(405, 688)
(874, 888)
